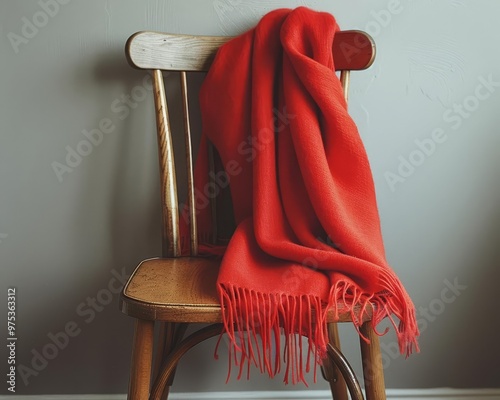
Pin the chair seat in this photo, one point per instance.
(173, 289)
(181, 290)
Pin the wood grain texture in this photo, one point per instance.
(373, 370)
(156, 50)
(352, 50)
(169, 199)
(174, 289)
(142, 354)
(181, 289)
(188, 145)
(160, 384)
(330, 370)
(347, 372)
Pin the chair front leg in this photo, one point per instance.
(330, 370)
(162, 349)
(373, 371)
(170, 335)
(142, 359)
(347, 372)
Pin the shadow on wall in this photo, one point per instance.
(133, 165)
(133, 206)
(132, 169)
(471, 327)
(119, 176)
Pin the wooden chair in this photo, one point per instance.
(174, 291)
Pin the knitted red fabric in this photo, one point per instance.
(308, 234)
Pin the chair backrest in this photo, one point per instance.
(352, 50)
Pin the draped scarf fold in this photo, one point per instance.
(308, 235)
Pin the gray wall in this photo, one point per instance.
(63, 239)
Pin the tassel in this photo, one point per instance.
(254, 322)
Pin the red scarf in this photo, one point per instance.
(308, 234)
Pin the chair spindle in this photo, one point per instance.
(344, 80)
(193, 233)
(170, 210)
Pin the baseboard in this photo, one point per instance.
(392, 394)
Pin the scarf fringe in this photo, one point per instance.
(254, 321)
(346, 297)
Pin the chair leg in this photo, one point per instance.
(170, 364)
(170, 335)
(337, 358)
(165, 344)
(159, 349)
(142, 358)
(330, 370)
(373, 372)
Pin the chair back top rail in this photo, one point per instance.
(352, 50)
